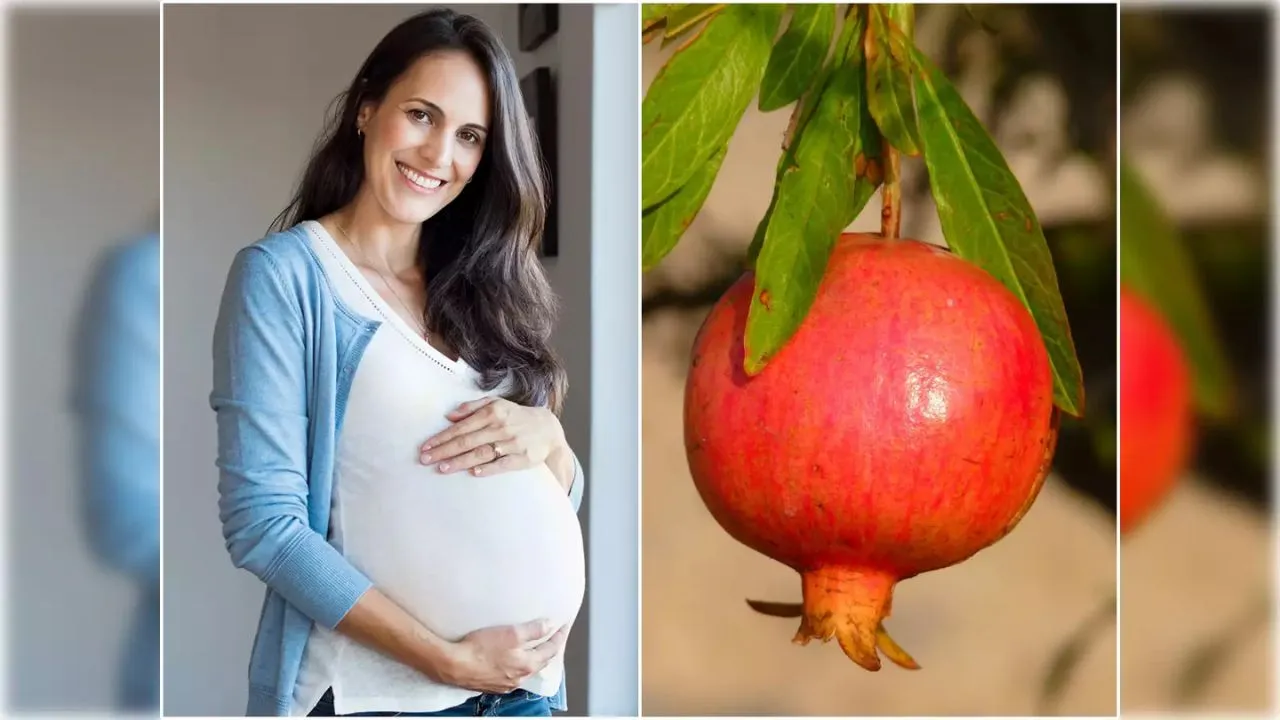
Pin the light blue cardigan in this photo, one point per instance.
(284, 352)
(116, 397)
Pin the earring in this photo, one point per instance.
(360, 131)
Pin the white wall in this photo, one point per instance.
(245, 90)
(615, 353)
(83, 113)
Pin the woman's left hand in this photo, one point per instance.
(494, 435)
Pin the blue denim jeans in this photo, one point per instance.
(517, 703)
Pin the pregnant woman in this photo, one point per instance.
(392, 465)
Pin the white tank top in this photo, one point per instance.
(458, 552)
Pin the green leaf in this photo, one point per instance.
(685, 17)
(800, 52)
(800, 115)
(827, 175)
(693, 105)
(889, 81)
(987, 220)
(654, 19)
(653, 13)
(662, 226)
(902, 15)
(1155, 263)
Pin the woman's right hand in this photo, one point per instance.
(497, 659)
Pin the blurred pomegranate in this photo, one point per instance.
(1155, 409)
(908, 424)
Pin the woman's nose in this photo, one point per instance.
(437, 150)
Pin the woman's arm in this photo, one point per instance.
(493, 659)
(260, 397)
(564, 463)
(526, 435)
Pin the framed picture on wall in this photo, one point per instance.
(537, 23)
(538, 90)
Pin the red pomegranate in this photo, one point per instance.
(1155, 409)
(908, 424)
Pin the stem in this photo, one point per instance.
(1208, 660)
(891, 192)
(902, 21)
(1069, 655)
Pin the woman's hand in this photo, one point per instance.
(498, 659)
(494, 435)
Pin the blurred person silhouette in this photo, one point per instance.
(116, 399)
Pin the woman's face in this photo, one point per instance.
(424, 140)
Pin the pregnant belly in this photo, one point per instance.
(461, 552)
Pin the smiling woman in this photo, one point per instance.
(383, 376)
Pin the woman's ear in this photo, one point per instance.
(364, 115)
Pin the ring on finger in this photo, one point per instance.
(497, 451)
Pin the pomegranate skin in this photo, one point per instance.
(908, 424)
(1156, 420)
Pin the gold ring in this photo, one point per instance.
(496, 450)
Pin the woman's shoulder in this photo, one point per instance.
(289, 250)
(279, 264)
(285, 255)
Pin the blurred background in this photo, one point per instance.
(1197, 572)
(991, 633)
(246, 90)
(82, 522)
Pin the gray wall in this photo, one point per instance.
(84, 174)
(245, 90)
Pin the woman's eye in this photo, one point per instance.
(419, 115)
(469, 137)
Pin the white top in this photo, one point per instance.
(458, 552)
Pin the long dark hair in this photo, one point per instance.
(487, 293)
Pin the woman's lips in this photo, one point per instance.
(419, 181)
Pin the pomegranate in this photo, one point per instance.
(908, 424)
(1155, 409)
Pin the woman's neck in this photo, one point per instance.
(382, 241)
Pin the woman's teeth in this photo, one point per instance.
(418, 178)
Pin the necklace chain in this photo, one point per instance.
(417, 323)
